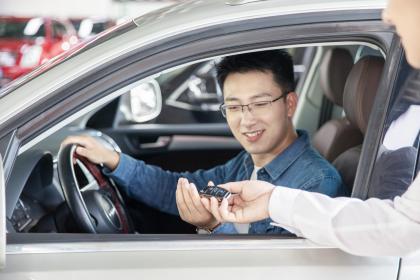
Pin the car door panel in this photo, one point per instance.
(237, 257)
(177, 147)
(2, 217)
(226, 258)
(410, 267)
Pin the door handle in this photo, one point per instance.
(161, 142)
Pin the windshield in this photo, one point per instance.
(22, 28)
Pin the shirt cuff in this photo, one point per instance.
(122, 167)
(281, 204)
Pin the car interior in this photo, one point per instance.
(172, 120)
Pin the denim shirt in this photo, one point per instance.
(299, 166)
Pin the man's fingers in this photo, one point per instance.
(225, 211)
(189, 204)
(210, 183)
(214, 206)
(82, 151)
(78, 139)
(182, 208)
(236, 200)
(206, 203)
(195, 197)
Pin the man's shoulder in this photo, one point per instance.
(311, 160)
(316, 170)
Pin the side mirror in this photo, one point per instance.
(142, 103)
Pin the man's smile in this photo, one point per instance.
(253, 136)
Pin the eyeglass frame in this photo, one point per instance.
(247, 105)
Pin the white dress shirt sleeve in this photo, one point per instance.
(372, 227)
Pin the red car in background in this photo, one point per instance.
(26, 43)
(87, 28)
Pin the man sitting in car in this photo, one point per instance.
(259, 103)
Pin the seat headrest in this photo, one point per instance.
(360, 90)
(334, 69)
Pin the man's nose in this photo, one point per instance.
(247, 115)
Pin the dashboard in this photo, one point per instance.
(35, 200)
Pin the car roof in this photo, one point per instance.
(218, 9)
(166, 22)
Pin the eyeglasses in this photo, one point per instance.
(255, 107)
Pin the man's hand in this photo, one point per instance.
(248, 202)
(94, 151)
(190, 206)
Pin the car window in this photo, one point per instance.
(396, 162)
(160, 121)
(59, 30)
(30, 28)
(191, 93)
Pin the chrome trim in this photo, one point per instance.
(169, 245)
(241, 2)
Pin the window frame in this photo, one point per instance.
(94, 86)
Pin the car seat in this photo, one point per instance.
(359, 95)
(337, 135)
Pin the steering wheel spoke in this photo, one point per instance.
(97, 206)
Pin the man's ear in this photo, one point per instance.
(291, 102)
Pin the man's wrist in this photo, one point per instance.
(113, 161)
(208, 228)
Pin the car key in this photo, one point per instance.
(214, 191)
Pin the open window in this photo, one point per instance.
(170, 119)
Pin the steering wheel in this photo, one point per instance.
(93, 199)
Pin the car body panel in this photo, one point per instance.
(2, 218)
(410, 267)
(230, 258)
(153, 29)
(174, 36)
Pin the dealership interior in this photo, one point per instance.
(33, 32)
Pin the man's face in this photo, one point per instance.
(262, 132)
(405, 15)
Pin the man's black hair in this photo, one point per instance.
(278, 62)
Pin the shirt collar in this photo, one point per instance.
(287, 157)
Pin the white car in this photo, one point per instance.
(147, 88)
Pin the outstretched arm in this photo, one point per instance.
(371, 228)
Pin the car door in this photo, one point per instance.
(83, 256)
(2, 218)
(397, 159)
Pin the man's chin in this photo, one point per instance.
(254, 150)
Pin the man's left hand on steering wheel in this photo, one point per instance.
(96, 206)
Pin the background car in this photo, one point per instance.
(89, 27)
(26, 42)
(147, 88)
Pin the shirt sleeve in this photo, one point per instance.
(153, 185)
(372, 227)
